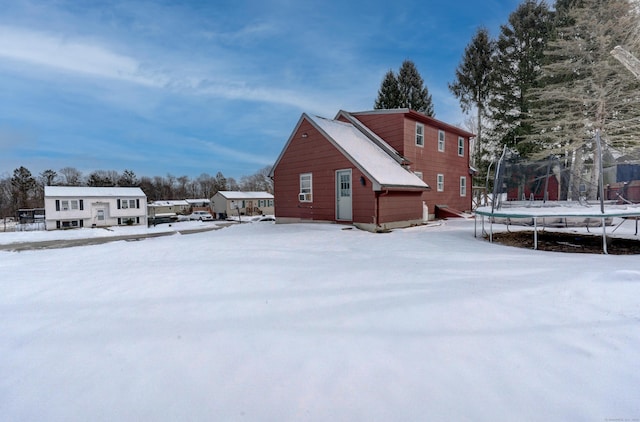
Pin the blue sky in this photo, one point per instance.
(196, 87)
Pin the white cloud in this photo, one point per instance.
(54, 51)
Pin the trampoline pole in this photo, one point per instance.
(604, 237)
(535, 233)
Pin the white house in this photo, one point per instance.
(81, 206)
(226, 203)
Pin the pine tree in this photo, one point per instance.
(23, 186)
(583, 89)
(413, 94)
(406, 90)
(472, 85)
(519, 56)
(389, 93)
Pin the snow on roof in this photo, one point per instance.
(169, 203)
(92, 191)
(232, 194)
(369, 157)
(198, 201)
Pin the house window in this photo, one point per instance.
(64, 205)
(441, 140)
(440, 183)
(463, 186)
(305, 188)
(419, 134)
(461, 146)
(128, 203)
(74, 204)
(419, 174)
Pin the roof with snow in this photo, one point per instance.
(232, 194)
(170, 203)
(88, 191)
(370, 157)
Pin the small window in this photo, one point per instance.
(419, 134)
(306, 185)
(441, 140)
(124, 204)
(64, 205)
(461, 146)
(463, 186)
(440, 183)
(419, 174)
(132, 203)
(74, 204)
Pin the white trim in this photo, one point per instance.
(463, 186)
(441, 140)
(419, 134)
(460, 146)
(306, 193)
(440, 182)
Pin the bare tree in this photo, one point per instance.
(71, 176)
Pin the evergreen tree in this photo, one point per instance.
(472, 85)
(128, 179)
(23, 186)
(583, 89)
(519, 56)
(389, 93)
(413, 94)
(406, 90)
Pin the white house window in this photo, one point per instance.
(463, 186)
(419, 174)
(124, 204)
(306, 193)
(441, 140)
(74, 204)
(419, 134)
(64, 205)
(461, 146)
(440, 183)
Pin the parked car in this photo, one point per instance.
(201, 215)
(263, 218)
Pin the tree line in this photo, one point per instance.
(544, 86)
(548, 84)
(22, 189)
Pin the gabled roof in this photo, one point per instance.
(231, 194)
(88, 191)
(375, 158)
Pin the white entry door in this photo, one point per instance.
(343, 195)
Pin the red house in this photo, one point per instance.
(376, 169)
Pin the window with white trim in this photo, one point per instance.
(306, 185)
(440, 183)
(64, 205)
(441, 140)
(460, 146)
(463, 186)
(419, 134)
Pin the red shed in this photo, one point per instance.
(371, 169)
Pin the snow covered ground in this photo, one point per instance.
(267, 322)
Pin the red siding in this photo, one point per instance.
(316, 155)
(399, 206)
(399, 129)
